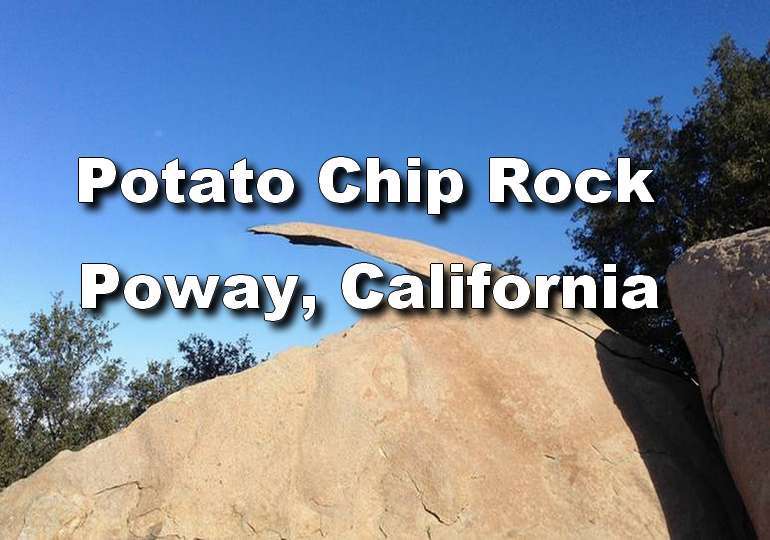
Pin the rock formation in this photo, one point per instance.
(720, 292)
(444, 425)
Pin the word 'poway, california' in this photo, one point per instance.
(462, 289)
(337, 177)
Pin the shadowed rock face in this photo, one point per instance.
(720, 291)
(441, 425)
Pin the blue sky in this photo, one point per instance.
(290, 86)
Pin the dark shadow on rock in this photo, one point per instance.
(666, 416)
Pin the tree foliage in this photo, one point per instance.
(10, 460)
(711, 179)
(512, 265)
(160, 379)
(64, 388)
(204, 359)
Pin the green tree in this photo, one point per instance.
(159, 380)
(711, 179)
(512, 265)
(64, 391)
(204, 359)
(9, 444)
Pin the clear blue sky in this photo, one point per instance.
(290, 86)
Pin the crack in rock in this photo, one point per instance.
(425, 506)
(118, 486)
(713, 393)
(614, 352)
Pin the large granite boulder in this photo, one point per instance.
(720, 292)
(444, 425)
